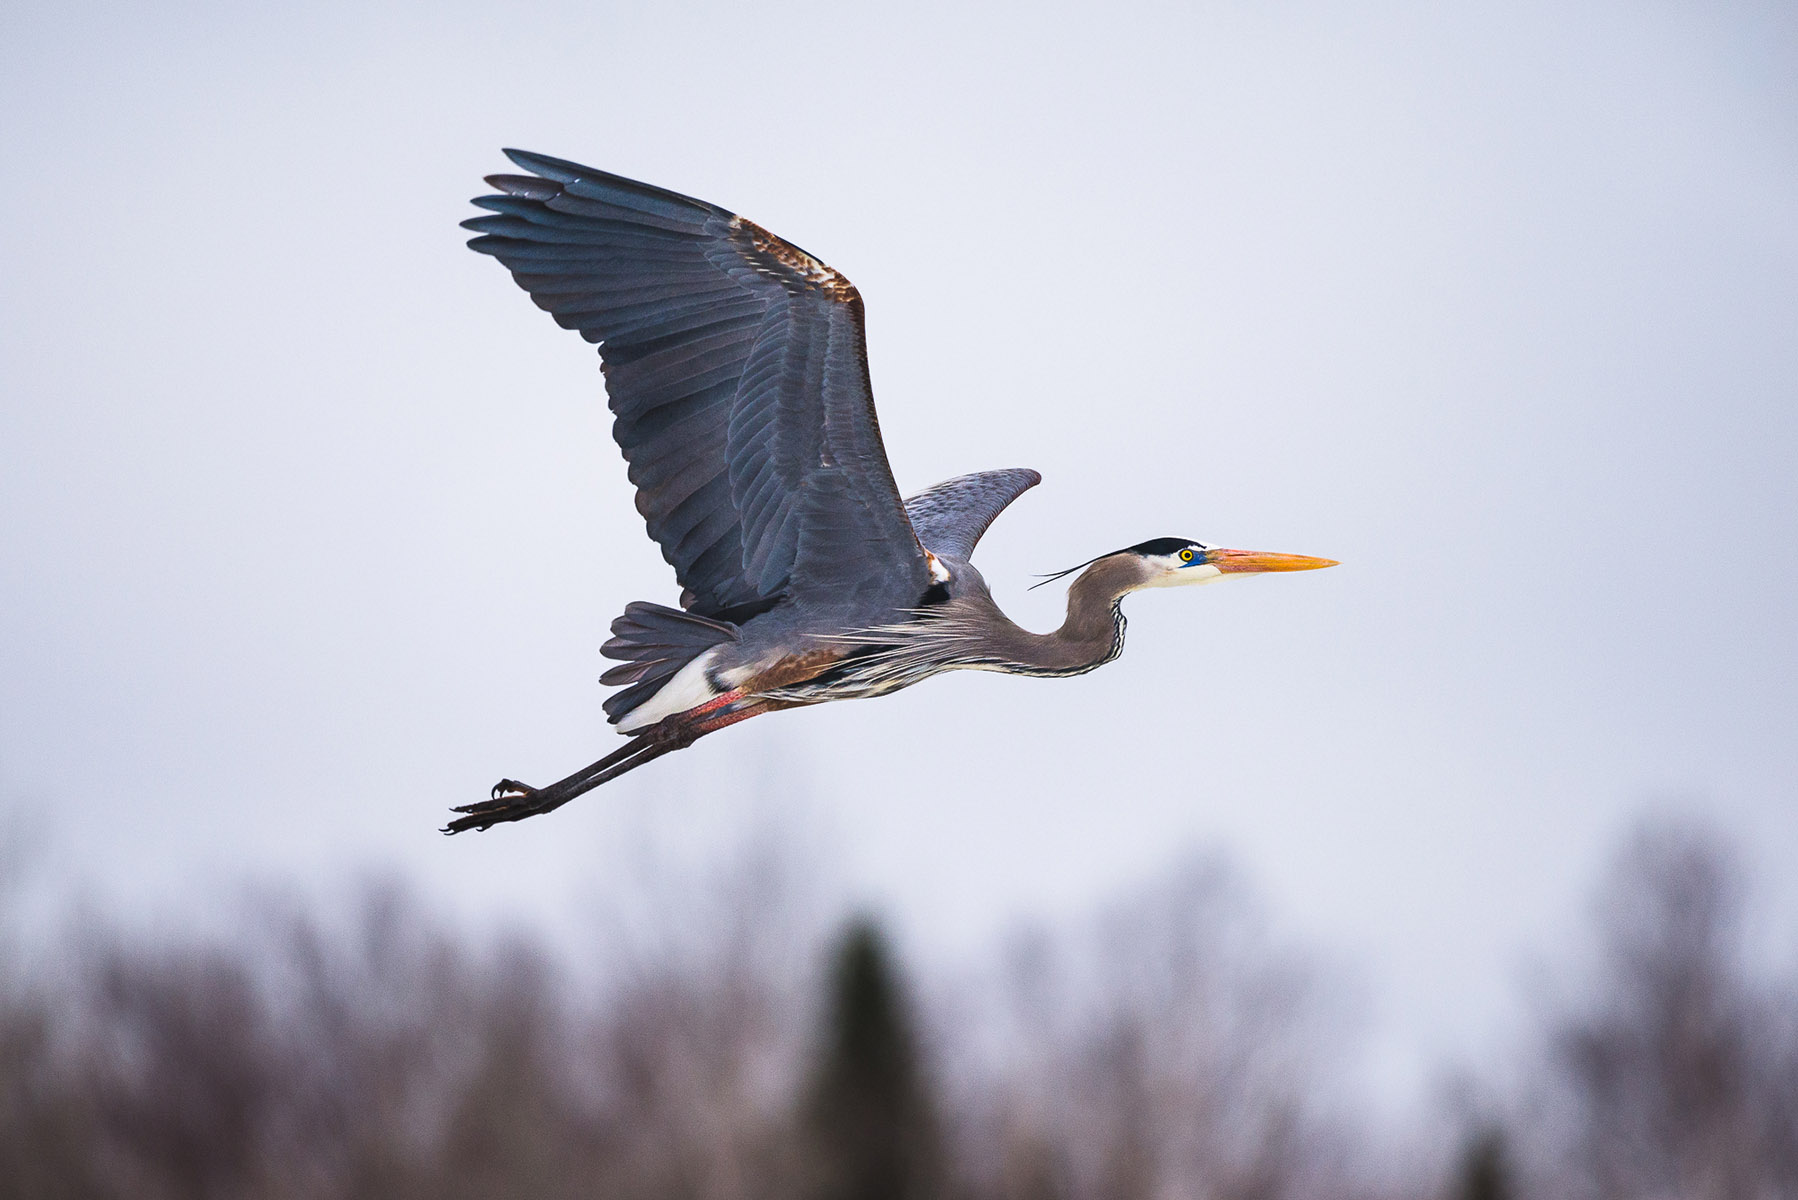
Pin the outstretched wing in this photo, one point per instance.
(951, 517)
(736, 366)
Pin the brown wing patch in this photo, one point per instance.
(786, 259)
(792, 669)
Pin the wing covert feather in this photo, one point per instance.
(951, 517)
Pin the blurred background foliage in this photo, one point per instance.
(1172, 1046)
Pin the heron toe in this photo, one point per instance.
(515, 804)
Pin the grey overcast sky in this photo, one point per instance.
(310, 524)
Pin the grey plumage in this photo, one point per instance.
(736, 367)
(969, 632)
(951, 517)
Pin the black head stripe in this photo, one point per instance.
(1160, 546)
(1166, 547)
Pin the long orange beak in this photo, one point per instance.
(1255, 561)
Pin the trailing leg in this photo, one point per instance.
(514, 801)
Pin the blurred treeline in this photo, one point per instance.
(748, 1048)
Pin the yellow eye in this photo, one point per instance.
(1186, 555)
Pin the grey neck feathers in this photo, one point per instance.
(1093, 633)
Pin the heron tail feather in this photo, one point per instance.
(652, 643)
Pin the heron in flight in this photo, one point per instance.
(737, 369)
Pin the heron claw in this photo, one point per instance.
(512, 801)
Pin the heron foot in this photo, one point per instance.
(511, 801)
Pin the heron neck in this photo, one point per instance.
(1092, 634)
(1095, 622)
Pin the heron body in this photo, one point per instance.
(736, 367)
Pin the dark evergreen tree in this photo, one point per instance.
(1484, 1172)
(869, 1116)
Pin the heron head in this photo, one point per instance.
(1182, 562)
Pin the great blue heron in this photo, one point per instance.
(736, 365)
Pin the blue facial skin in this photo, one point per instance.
(1200, 556)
